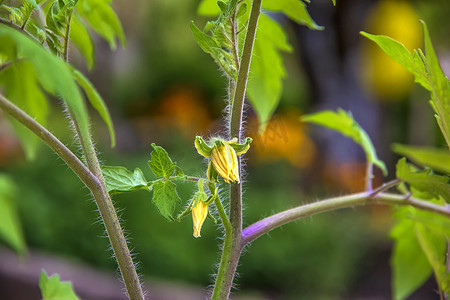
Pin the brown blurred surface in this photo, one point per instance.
(19, 280)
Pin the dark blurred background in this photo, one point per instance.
(163, 89)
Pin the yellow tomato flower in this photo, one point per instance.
(224, 160)
(223, 155)
(199, 214)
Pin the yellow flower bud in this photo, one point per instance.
(224, 161)
(199, 214)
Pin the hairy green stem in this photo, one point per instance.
(233, 245)
(109, 215)
(226, 251)
(96, 184)
(66, 40)
(104, 203)
(241, 83)
(263, 226)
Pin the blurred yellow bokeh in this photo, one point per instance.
(383, 77)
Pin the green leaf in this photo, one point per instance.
(294, 10)
(440, 85)
(398, 52)
(160, 163)
(103, 20)
(424, 181)
(10, 228)
(97, 102)
(427, 72)
(21, 87)
(206, 42)
(165, 198)
(119, 179)
(437, 159)
(434, 247)
(54, 74)
(54, 289)
(211, 46)
(409, 264)
(344, 123)
(82, 40)
(266, 69)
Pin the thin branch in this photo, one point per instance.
(234, 42)
(5, 65)
(369, 176)
(66, 40)
(263, 226)
(386, 186)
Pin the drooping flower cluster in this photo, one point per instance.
(223, 161)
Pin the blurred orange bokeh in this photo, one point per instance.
(284, 137)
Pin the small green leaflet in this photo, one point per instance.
(398, 52)
(410, 266)
(162, 165)
(165, 198)
(211, 46)
(424, 181)
(437, 159)
(427, 71)
(119, 179)
(440, 96)
(10, 228)
(54, 289)
(97, 102)
(344, 123)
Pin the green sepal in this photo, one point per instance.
(185, 212)
(202, 148)
(210, 216)
(242, 148)
(212, 197)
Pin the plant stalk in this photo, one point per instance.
(104, 202)
(233, 244)
(263, 226)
